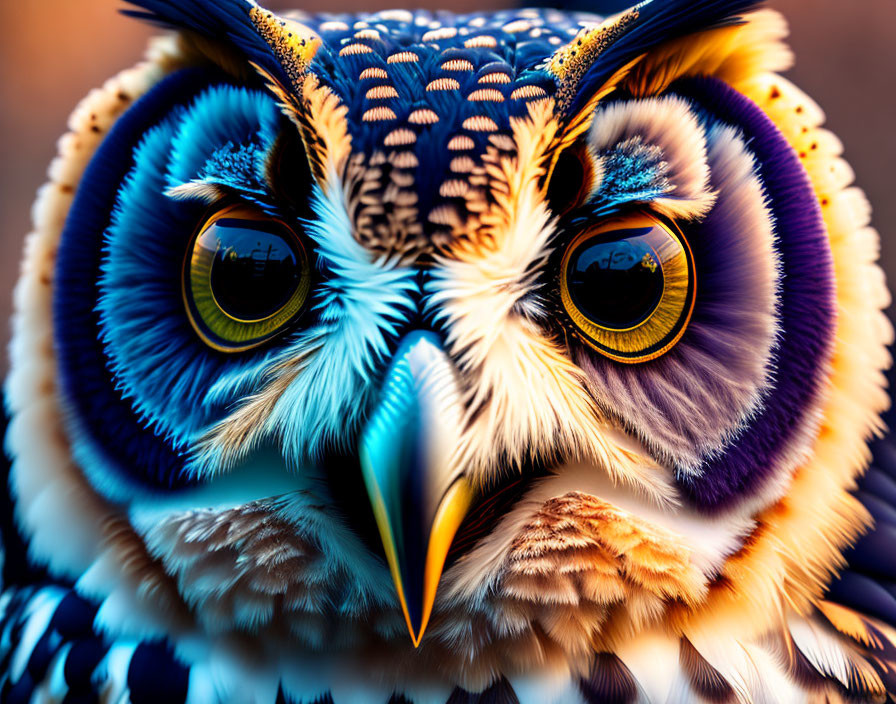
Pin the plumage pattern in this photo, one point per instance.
(50, 652)
(432, 447)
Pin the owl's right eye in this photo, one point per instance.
(246, 278)
(628, 286)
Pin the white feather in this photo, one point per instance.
(823, 650)
(652, 658)
(560, 687)
(201, 689)
(38, 613)
(56, 686)
(111, 675)
(755, 675)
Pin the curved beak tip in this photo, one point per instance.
(417, 581)
(419, 498)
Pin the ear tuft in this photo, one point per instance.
(585, 65)
(226, 23)
(734, 53)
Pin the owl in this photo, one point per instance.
(527, 357)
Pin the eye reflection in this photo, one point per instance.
(617, 282)
(255, 271)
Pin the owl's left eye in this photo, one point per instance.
(246, 277)
(628, 286)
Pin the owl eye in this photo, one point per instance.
(628, 287)
(246, 277)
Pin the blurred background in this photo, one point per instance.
(52, 52)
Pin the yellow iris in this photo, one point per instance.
(246, 277)
(628, 286)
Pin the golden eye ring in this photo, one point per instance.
(246, 276)
(628, 286)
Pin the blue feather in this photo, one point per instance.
(158, 362)
(51, 631)
(633, 172)
(108, 434)
(868, 583)
(154, 675)
(865, 595)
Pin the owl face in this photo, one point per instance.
(466, 343)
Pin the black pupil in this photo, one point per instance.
(616, 279)
(256, 267)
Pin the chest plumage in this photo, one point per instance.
(414, 357)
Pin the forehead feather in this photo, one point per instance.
(427, 94)
(439, 75)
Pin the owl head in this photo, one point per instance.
(445, 349)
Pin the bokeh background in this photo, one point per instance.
(52, 52)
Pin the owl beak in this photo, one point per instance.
(406, 452)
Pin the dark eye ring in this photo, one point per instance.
(628, 286)
(246, 277)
